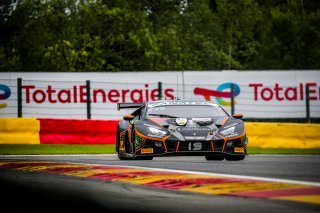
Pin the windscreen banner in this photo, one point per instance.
(257, 94)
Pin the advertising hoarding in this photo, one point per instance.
(258, 94)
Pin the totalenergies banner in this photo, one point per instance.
(258, 94)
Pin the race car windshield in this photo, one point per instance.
(194, 111)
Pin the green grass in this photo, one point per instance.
(51, 149)
(253, 150)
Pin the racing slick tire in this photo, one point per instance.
(143, 158)
(215, 157)
(120, 155)
(234, 157)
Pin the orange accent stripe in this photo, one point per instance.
(224, 144)
(155, 139)
(212, 146)
(137, 150)
(224, 120)
(228, 139)
(177, 148)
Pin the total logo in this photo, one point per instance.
(5, 93)
(219, 94)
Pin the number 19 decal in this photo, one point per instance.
(195, 146)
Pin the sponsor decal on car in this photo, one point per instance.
(195, 138)
(201, 119)
(238, 149)
(193, 129)
(147, 151)
(181, 121)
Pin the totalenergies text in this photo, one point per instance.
(78, 94)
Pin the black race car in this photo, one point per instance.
(164, 128)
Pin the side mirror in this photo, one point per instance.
(238, 115)
(128, 117)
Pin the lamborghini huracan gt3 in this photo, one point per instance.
(163, 128)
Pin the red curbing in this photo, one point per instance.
(279, 192)
(180, 183)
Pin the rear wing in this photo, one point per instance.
(129, 105)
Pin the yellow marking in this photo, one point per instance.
(4, 163)
(153, 178)
(125, 170)
(314, 199)
(90, 172)
(85, 173)
(147, 151)
(238, 149)
(226, 188)
(39, 168)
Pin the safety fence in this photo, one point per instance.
(97, 100)
(73, 131)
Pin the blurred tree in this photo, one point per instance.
(291, 39)
(104, 35)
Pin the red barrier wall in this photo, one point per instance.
(72, 131)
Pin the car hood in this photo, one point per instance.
(191, 128)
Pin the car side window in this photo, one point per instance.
(142, 113)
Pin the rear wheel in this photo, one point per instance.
(215, 157)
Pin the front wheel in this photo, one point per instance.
(143, 158)
(235, 157)
(216, 157)
(121, 155)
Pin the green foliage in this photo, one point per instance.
(147, 35)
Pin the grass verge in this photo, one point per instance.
(253, 150)
(51, 149)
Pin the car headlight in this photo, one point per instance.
(157, 131)
(228, 131)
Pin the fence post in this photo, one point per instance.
(159, 90)
(19, 88)
(232, 99)
(88, 100)
(307, 105)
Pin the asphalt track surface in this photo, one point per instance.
(40, 192)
